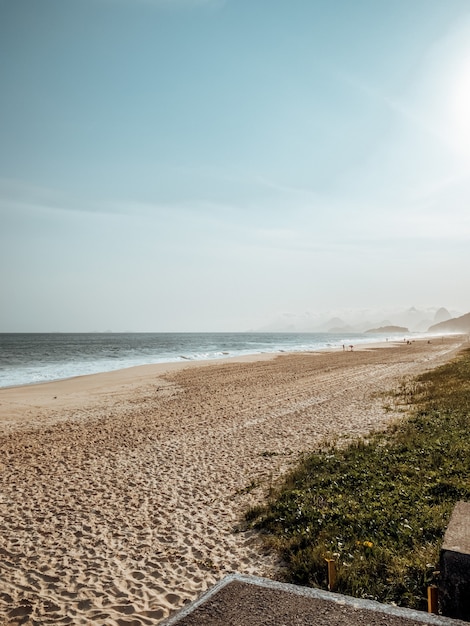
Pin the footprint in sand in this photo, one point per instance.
(173, 598)
(126, 609)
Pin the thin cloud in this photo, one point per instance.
(20, 196)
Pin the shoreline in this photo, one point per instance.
(67, 393)
(85, 390)
(335, 344)
(173, 365)
(121, 497)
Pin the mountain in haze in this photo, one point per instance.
(442, 315)
(389, 330)
(414, 319)
(338, 330)
(455, 325)
(337, 325)
(358, 321)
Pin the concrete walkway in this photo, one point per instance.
(239, 600)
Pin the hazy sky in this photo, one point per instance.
(204, 165)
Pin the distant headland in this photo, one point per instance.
(455, 325)
(389, 330)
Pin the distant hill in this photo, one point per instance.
(455, 325)
(442, 315)
(335, 324)
(338, 330)
(389, 329)
(345, 321)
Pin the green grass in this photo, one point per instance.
(379, 507)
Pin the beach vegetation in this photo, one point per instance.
(379, 506)
(253, 484)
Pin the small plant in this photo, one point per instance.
(248, 489)
(379, 507)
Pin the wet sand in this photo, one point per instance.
(121, 494)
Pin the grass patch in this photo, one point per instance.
(379, 507)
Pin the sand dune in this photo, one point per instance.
(121, 494)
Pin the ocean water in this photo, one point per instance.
(34, 358)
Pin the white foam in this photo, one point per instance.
(24, 370)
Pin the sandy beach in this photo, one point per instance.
(122, 494)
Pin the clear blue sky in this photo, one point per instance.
(206, 164)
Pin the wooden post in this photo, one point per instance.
(433, 599)
(331, 574)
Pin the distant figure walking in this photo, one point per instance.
(351, 348)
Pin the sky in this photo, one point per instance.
(207, 165)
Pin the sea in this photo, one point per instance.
(37, 358)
